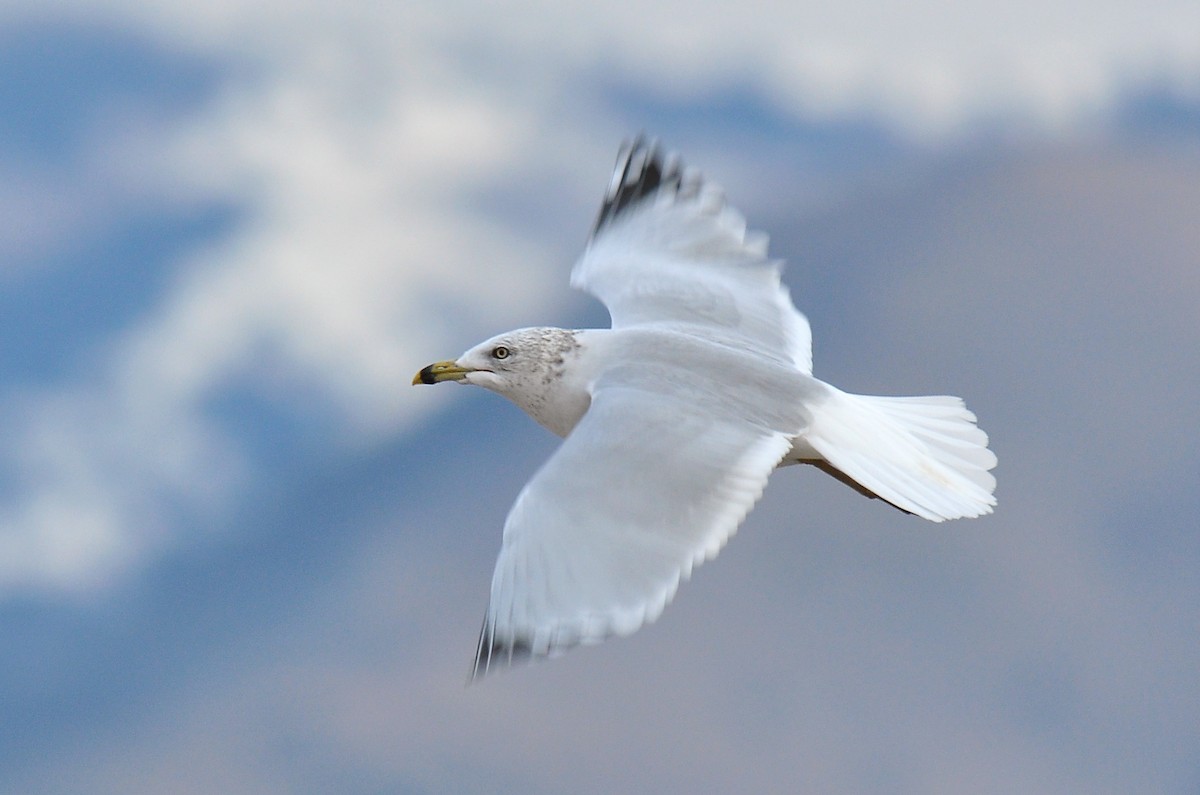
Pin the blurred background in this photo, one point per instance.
(240, 554)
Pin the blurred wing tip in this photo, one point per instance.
(642, 170)
(500, 649)
(495, 653)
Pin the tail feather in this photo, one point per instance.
(925, 455)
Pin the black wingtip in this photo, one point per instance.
(640, 171)
(494, 653)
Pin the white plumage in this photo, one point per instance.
(675, 417)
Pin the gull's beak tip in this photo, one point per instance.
(440, 371)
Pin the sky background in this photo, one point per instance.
(240, 554)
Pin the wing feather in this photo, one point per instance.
(666, 249)
(645, 488)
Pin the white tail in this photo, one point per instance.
(924, 455)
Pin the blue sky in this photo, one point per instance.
(238, 553)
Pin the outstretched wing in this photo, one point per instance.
(652, 481)
(666, 249)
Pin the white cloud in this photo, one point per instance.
(358, 238)
(357, 141)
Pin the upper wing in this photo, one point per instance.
(651, 482)
(667, 249)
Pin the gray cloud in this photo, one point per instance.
(835, 645)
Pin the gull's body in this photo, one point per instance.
(675, 417)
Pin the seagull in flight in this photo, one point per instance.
(674, 418)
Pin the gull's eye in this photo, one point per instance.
(500, 352)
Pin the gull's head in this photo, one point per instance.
(539, 369)
(506, 360)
